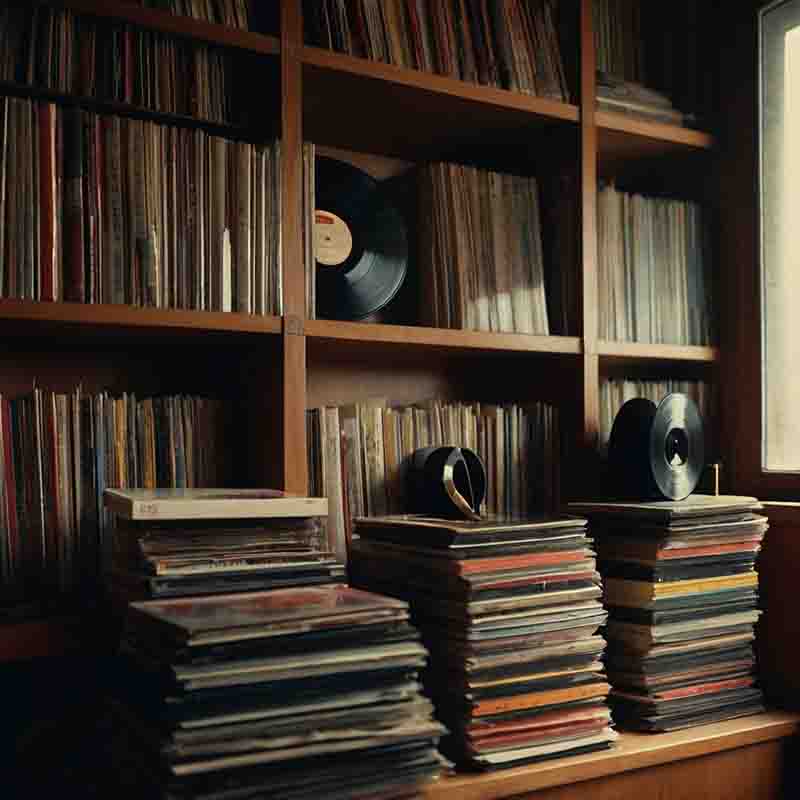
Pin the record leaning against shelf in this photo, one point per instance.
(360, 242)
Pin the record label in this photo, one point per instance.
(333, 241)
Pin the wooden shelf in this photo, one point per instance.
(47, 318)
(625, 137)
(641, 352)
(633, 751)
(439, 339)
(365, 105)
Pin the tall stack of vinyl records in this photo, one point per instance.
(291, 693)
(510, 611)
(682, 593)
(174, 543)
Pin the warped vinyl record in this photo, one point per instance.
(657, 451)
(360, 242)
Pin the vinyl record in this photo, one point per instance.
(360, 242)
(677, 450)
(446, 482)
(656, 451)
(629, 450)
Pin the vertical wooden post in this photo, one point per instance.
(295, 469)
(587, 435)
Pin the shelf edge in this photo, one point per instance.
(648, 129)
(439, 84)
(88, 315)
(633, 751)
(657, 352)
(409, 335)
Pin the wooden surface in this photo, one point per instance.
(411, 336)
(755, 772)
(586, 439)
(641, 351)
(740, 309)
(778, 640)
(622, 138)
(293, 434)
(102, 318)
(637, 752)
(363, 105)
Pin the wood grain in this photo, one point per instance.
(640, 751)
(366, 106)
(411, 336)
(104, 317)
(750, 773)
(641, 351)
(625, 138)
(778, 630)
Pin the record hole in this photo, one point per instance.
(676, 447)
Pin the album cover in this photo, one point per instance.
(164, 504)
(228, 617)
(668, 512)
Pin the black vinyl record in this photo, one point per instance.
(677, 449)
(446, 482)
(360, 242)
(657, 451)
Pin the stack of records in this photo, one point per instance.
(682, 595)
(510, 610)
(181, 542)
(292, 693)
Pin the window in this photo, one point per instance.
(779, 112)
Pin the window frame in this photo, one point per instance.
(739, 247)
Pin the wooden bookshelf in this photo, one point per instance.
(273, 368)
(378, 109)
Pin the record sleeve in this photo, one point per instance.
(264, 613)
(666, 512)
(165, 504)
